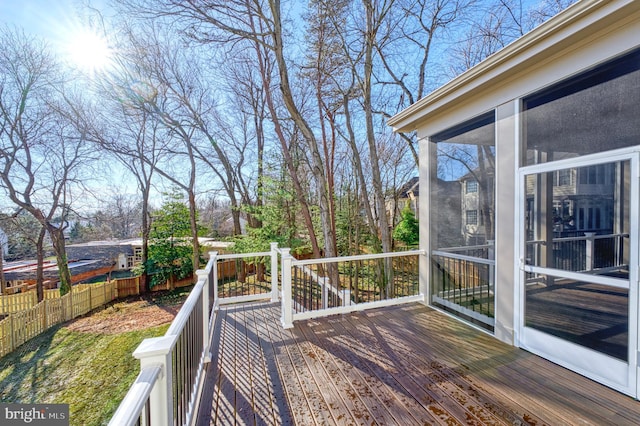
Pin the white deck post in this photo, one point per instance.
(274, 272)
(590, 250)
(287, 295)
(346, 298)
(491, 255)
(204, 276)
(152, 352)
(325, 292)
(214, 267)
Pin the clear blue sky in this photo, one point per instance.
(42, 17)
(54, 20)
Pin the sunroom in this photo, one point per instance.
(530, 169)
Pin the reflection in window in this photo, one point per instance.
(564, 177)
(590, 231)
(472, 186)
(463, 223)
(472, 217)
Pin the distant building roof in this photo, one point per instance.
(413, 186)
(26, 269)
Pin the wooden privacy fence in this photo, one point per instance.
(18, 302)
(122, 287)
(127, 286)
(22, 317)
(19, 326)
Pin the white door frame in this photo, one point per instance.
(620, 375)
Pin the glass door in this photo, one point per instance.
(578, 266)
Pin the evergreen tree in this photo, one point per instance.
(407, 229)
(170, 247)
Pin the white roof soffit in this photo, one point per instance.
(543, 41)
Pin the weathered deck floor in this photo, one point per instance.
(401, 365)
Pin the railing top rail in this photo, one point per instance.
(463, 257)
(591, 237)
(580, 238)
(464, 248)
(243, 255)
(358, 257)
(179, 322)
(134, 401)
(212, 259)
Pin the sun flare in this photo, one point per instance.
(89, 51)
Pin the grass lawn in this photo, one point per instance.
(83, 363)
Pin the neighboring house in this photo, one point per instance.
(557, 272)
(90, 260)
(447, 195)
(396, 202)
(86, 261)
(122, 254)
(583, 200)
(476, 207)
(126, 254)
(21, 275)
(409, 194)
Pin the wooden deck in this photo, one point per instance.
(401, 365)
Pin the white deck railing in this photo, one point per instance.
(319, 287)
(590, 253)
(247, 287)
(463, 281)
(167, 391)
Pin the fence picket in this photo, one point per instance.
(5, 336)
(25, 318)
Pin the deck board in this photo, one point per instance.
(428, 377)
(400, 365)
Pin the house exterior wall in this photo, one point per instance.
(590, 33)
(506, 225)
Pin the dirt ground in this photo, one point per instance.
(130, 314)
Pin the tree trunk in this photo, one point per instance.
(242, 271)
(317, 168)
(146, 229)
(64, 273)
(194, 230)
(3, 284)
(300, 193)
(361, 183)
(260, 272)
(40, 264)
(235, 215)
(385, 232)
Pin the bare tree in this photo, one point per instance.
(413, 26)
(499, 24)
(41, 152)
(244, 132)
(27, 241)
(288, 145)
(260, 25)
(149, 77)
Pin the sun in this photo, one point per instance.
(89, 51)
